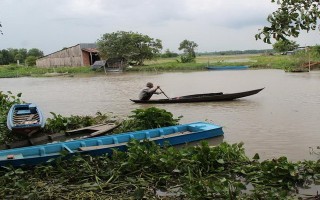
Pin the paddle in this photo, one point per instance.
(163, 93)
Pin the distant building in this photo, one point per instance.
(83, 54)
(295, 50)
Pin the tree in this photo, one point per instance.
(188, 48)
(169, 54)
(6, 57)
(31, 60)
(284, 45)
(11, 55)
(290, 18)
(0, 29)
(130, 46)
(18, 54)
(35, 52)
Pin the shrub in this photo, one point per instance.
(148, 118)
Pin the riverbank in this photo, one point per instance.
(254, 61)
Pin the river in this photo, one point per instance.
(281, 120)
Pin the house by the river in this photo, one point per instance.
(83, 54)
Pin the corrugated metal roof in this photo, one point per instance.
(82, 46)
(88, 45)
(90, 50)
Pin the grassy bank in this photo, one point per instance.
(14, 71)
(285, 62)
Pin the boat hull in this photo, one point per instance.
(25, 119)
(201, 97)
(174, 135)
(86, 132)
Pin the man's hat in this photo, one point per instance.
(149, 84)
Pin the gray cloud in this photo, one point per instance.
(214, 24)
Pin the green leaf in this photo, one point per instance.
(256, 156)
(221, 161)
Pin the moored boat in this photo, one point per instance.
(25, 119)
(174, 135)
(85, 132)
(207, 97)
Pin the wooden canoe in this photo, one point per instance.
(173, 135)
(208, 97)
(86, 132)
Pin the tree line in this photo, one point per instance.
(23, 56)
(135, 47)
(237, 52)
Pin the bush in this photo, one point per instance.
(6, 101)
(148, 118)
(31, 61)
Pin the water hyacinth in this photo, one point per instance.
(146, 170)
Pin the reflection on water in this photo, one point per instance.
(281, 120)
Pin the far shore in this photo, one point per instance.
(288, 63)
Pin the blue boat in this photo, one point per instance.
(227, 67)
(25, 119)
(179, 134)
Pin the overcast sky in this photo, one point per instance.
(215, 25)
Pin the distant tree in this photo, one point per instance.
(31, 60)
(18, 54)
(188, 48)
(169, 54)
(24, 53)
(284, 45)
(35, 52)
(6, 57)
(13, 52)
(11, 55)
(291, 17)
(130, 46)
(19, 57)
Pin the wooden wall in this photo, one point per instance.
(68, 57)
(86, 58)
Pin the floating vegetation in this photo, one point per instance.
(59, 123)
(147, 171)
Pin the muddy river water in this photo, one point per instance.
(281, 120)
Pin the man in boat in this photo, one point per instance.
(147, 92)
